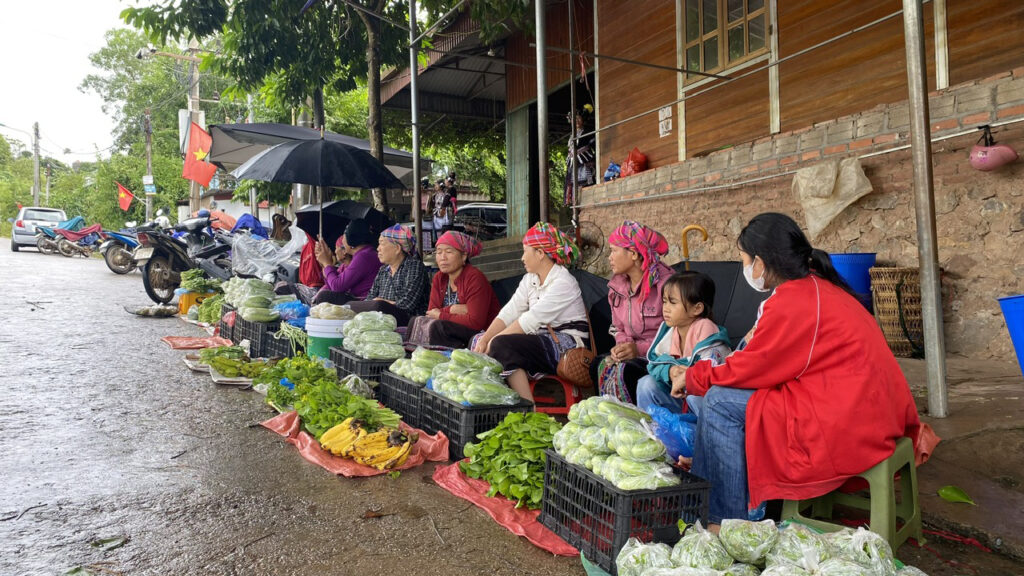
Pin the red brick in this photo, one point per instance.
(837, 149)
(812, 155)
(1011, 111)
(862, 143)
(886, 138)
(979, 118)
(788, 160)
(748, 169)
(713, 177)
(945, 125)
(995, 77)
(768, 165)
(1018, 72)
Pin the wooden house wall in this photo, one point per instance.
(521, 82)
(985, 37)
(731, 114)
(645, 31)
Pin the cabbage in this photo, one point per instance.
(748, 541)
(798, 546)
(741, 570)
(635, 558)
(699, 548)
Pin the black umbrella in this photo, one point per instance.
(336, 216)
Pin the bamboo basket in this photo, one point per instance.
(896, 292)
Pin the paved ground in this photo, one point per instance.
(106, 434)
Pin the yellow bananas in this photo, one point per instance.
(384, 449)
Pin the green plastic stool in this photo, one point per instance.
(881, 501)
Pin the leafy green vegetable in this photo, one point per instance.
(280, 396)
(511, 457)
(955, 494)
(748, 541)
(209, 309)
(195, 280)
(326, 404)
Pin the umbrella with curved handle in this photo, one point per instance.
(686, 246)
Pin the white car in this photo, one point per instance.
(23, 233)
(485, 220)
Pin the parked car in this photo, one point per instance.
(23, 233)
(485, 220)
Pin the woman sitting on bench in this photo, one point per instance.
(814, 398)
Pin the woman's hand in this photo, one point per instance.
(684, 463)
(324, 255)
(678, 376)
(624, 351)
(482, 345)
(434, 313)
(459, 309)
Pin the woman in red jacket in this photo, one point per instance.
(462, 302)
(816, 395)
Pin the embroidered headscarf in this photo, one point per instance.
(464, 243)
(556, 245)
(649, 244)
(340, 241)
(402, 236)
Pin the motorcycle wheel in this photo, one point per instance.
(119, 260)
(46, 246)
(65, 248)
(153, 282)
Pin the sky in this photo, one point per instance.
(46, 46)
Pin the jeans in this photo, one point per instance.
(649, 392)
(719, 454)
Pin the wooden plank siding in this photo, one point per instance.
(521, 82)
(847, 76)
(643, 31)
(734, 113)
(985, 37)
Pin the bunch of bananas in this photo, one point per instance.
(384, 449)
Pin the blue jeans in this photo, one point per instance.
(649, 392)
(719, 454)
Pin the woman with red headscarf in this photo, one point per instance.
(634, 294)
(545, 317)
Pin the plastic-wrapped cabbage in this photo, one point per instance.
(487, 394)
(426, 358)
(843, 567)
(634, 441)
(351, 330)
(660, 479)
(595, 439)
(328, 311)
(597, 463)
(634, 475)
(356, 385)
(578, 455)
(579, 411)
(374, 351)
(367, 321)
(401, 367)
(380, 337)
(799, 546)
(616, 410)
(259, 314)
(636, 558)
(475, 361)
(747, 541)
(352, 345)
(568, 436)
(741, 570)
(910, 571)
(865, 548)
(472, 377)
(418, 374)
(682, 571)
(699, 548)
(785, 570)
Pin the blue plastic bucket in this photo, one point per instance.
(1013, 313)
(854, 269)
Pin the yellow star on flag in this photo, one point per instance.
(121, 195)
(200, 154)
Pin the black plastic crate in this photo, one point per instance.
(226, 331)
(590, 513)
(253, 332)
(271, 347)
(461, 423)
(348, 363)
(401, 395)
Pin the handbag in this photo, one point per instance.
(574, 365)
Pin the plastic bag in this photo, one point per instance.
(865, 548)
(595, 439)
(785, 570)
(635, 441)
(612, 172)
(799, 546)
(632, 475)
(375, 351)
(367, 321)
(328, 311)
(747, 541)
(356, 385)
(292, 310)
(567, 437)
(487, 394)
(682, 571)
(380, 337)
(636, 162)
(636, 558)
(475, 361)
(255, 256)
(427, 358)
(675, 431)
(843, 567)
(699, 548)
(910, 571)
(741, 570)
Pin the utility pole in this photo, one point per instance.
(148, 180)
(254, 205)
(35, 161)
(193, 109)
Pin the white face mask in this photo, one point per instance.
(755, 283)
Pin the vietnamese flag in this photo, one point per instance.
(196, 167)
(124, 197)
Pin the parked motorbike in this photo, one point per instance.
(162, 258)
(79, 243)
(46, 240)
(118, 251)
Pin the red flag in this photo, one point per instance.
(196, 167)
(124, 197)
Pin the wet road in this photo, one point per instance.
(106, 434)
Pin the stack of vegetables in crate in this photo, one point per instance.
(419, 367)
(401, 384)
(473, 379)
(615, 441)
(371, 335)
(340, 415)
(252, 298)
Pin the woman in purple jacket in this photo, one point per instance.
(352, 281)
(634, 294)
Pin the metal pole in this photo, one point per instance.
(254, 205)
(47, 184)
(35, 164)
(572, 120)
(414, 104)
(193, 109)
(149, 164)
(542, 111)
(924, 204)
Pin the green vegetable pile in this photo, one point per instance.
(209, 309)
(372, 335)
(195, 280)
(473, 379)
(511, 457)
(230, 352)
(419, 367)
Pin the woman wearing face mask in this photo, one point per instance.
(401, 286)
(462, 301)
(814, 398)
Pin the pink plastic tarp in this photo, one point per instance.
(194, 343)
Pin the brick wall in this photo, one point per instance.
(980, 215)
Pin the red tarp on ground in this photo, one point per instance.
(520, 521)
(433, 448)
(193, 343)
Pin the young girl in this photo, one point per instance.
(687, 335)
